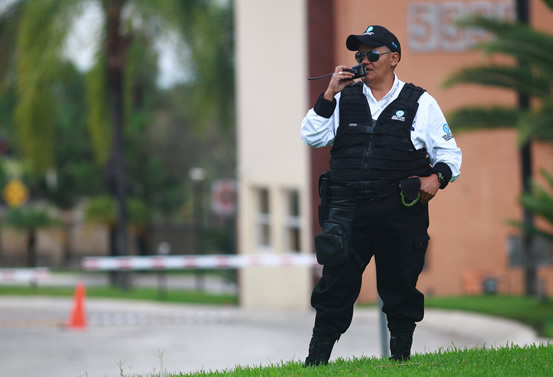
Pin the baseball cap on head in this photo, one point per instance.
(374, 36)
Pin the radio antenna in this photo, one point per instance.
(320, 77)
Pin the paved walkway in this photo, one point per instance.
(146, 338)
(207, 282)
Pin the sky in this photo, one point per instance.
(83, 40)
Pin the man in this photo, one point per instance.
(392, 151)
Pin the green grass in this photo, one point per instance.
(142, 293)
(513, 361)
(527, 310)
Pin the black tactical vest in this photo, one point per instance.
(381, 150)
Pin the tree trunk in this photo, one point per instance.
(530, 270)
(67, 244)
(143, 240)
(31, 249)
(112, 253)
(116, 48)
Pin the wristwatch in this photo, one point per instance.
(441, 177)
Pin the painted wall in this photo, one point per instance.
(467, 225)
(468, 231)
(271, 99)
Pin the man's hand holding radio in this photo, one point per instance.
(340, 79)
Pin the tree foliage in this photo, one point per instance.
(531, 74)
(35, 32)
(63, 118)
(30, 219)
(540, 202)
(39, 41)
(205, 31)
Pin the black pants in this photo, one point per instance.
(397, 238)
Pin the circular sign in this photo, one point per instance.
(15, 193)
(223, 197)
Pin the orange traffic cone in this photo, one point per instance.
(77, 321)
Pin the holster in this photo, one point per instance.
(333, 245)
(324, 194)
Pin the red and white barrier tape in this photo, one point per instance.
(197, 261)
(23, 274)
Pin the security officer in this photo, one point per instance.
(392, 150)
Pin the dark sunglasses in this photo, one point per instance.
(372, 55)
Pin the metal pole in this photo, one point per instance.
(164, 248)
(197, 175)
(383, 331)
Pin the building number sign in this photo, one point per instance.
(432, 26)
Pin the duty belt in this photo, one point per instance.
(368, 190)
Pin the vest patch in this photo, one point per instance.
(399, 115)
(447, 131)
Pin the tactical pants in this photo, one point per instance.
(397, 238)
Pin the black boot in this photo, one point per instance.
(400, 347)
(320, 347)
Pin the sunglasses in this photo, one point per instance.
(372, 55)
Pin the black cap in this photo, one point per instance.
(374, 36)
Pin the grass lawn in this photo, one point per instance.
(524, 309)
(531, 361)
(142, 293)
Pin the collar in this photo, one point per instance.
(390, 96)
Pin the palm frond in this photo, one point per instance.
(537, 124)
(99, 124)
(476, 118)
(211, 81)
(531, 229)
(526, 44)
(510, 77)
(539, 201)
(548, 177)
(30, 218)
(40, 41)
(101, 210)
(9, 22)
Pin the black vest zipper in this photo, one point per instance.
(367, 153)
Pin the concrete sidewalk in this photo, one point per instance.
(145, 338)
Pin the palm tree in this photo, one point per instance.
(102, 210)
(540, 202)
(532, 77)
(42, 30)
(30, 219)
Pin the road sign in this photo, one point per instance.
(223, 197)
(15, 193)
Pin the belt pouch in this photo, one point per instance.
(410, 191)
(324, 194)
(332, 246)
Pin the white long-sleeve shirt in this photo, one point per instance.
(429, 129)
